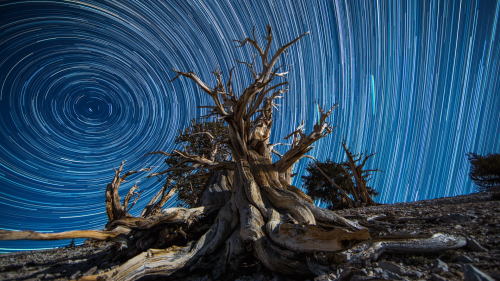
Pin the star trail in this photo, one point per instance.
(85, 85)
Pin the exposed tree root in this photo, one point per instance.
(371, 250)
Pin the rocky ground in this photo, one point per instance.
(475, 216)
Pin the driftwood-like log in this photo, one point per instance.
(32, 235)
(371, 250)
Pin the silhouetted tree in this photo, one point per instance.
(204, 139)
(341, 185)
(485, 170)
(330, 183)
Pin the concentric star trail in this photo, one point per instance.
(85, 85)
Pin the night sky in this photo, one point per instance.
(85, 85)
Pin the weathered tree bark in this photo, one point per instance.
(257, 214)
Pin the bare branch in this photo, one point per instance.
(276, 152)
(366, 159)
(278, 53)
(32, 235)
(195, 78)
(214, 93)
(130, 194)
(114, 208)
(259, 98)
(251, 41)
(302, 144)
(269, 39)
(250, 66)
(310, 157)
(196, 159)
(360, 176)
(156, 203)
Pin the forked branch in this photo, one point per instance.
(114, 208)
(360, 176)
(302, 143)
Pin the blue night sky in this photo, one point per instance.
(85, 85)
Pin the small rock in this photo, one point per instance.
(369, 273)
(391, 267)
(471, 273)
(436, 277)
(91, 271)
(414, 273)
(473, 245)
(440, 266)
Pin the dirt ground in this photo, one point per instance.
(475, 216)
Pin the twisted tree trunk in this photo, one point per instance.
(257, 220)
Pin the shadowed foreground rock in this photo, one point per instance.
(474, 216)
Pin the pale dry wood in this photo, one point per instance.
(114, 208)
(154, 205)
(168, 216)
(310, 238)
(371, 250)
(32, 235)
(291, 203)
(303, 143)
(164, 263)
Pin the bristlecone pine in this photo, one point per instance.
(264, 223)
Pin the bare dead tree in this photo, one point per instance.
(355, 167)
(266, 220)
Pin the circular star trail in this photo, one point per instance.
(85, 85)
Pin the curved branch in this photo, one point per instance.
(302, 144)
(156, 203)
(114, 208)
(194, 78)
(212, 92)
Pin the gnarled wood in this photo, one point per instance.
(261, 216)
(114, 208)
(371, 250)
(32, 235)
(310, 238)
